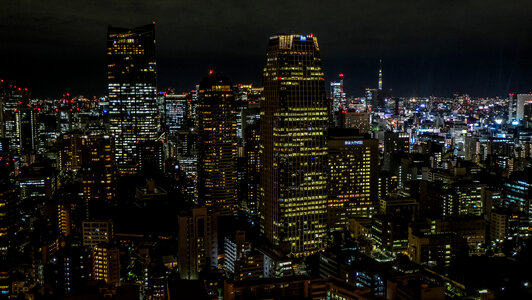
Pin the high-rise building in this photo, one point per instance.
(98, 173)
(353, 177)
(216, 145)
(197, 242)
(522, 99)
(69, 155)
(176, 106)
(337, 95)
(294, 118)
(252, 152)
(27, 135)
(106, 264)
(12, 99)
(131, 77)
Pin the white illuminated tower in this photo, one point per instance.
(337, 94)
(132, 90)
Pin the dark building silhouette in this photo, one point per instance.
(216, 145)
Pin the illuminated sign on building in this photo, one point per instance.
(353, 143)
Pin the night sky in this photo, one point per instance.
(428, 47)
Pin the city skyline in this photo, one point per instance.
(225, 160)
(432, 49)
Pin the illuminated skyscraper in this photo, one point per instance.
(17, 119)
(338, 100)
(98, 173)
(353, 177)
(337, 93)
(522, 99)
(26, 130)
(294, 117)
(216, 145)
(197, 242)
(131, 76)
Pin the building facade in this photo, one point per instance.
(353, 177)
(294, 117)
(216, 145)
(132, 90)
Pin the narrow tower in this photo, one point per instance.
(380, 75)
(216, 145)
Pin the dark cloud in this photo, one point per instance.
(428, 47)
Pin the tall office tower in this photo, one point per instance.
(98, 173)
(252, 152)
(69, 155)
(18, 120)
(241, 92)
(197, 242)
(522, 99)
(248, 101)
(353, 177)
(131, 77)
(181, 135)
(338, 99)
(12, 99)
(27, 135)
(176, 107)
(216, 142)
(294, 117)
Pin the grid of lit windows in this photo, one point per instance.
(294, 117)
(131, 74)
(216, 144)
(353, 179)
